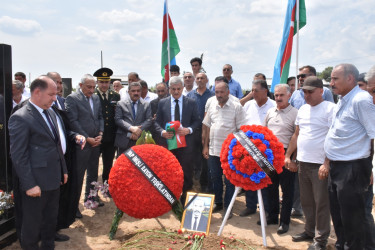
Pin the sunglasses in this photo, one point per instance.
(226, 69)
(303, 75)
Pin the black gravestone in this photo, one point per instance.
(7, 230)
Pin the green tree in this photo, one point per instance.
(325, 74)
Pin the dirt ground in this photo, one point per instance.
(91, 232)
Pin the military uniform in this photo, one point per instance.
(108, 102)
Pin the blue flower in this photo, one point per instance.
(261, 174)
(254, 177)
(249, 133)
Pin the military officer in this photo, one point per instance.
(108, 100)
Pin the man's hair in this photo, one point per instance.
(196, 59)
(260, 75)
(18, 84)
(311, 69)
(134, 73)
(161, 83)
(143, 84)
(349, 69)
(290, 78)
(21, 74)
(370, 74)
(227, 64)
(38, 84)
(263, 85)
(283, 85)
(86, 77)
(175, 68)
(175, 80)
(362, 78)
(221, 79)
(134, 84)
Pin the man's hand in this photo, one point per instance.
(136, 130)
(205, 152)
(323, 172)
(65, 179)
(91, 141)
(81, 140)
(183, 131)
(372, 179)
(287, 162)
(153, 118)
(167, 135)
(34, 192)
(134, 137)
(293, 167)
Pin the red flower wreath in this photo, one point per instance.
(132, 192)
(245, 164)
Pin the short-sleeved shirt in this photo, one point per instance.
(314, 123)
(222, 121)
(298, 98)
(201, 100)
(282, 123)
(353, 127)
(255, 114)
(234, 88)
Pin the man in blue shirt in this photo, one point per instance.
(348, 152)
(201, 95)
(234, 86)
(298, 98)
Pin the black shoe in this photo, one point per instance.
(217, 207)
(61, 237)
(283, 228)
(247, 212)
(230, 214)
(302, 237)
(316, 246)
(270, 221)
(296, 214)
(78, 214)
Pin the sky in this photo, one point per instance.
(68, 36)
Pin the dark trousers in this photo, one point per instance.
(348, 183)
(201, 165)
(252, 199)
(184, 157)
(107, 150)
(39, 220)
(87, 159)
(286, 181)
(216, 173)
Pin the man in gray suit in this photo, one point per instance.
(37, 147)
(132, 117)
(85, 114)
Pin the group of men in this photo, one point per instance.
(56, 141)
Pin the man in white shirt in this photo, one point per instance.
(17, 90)
(256, 111)
(188, 83)
(132, 77)
(146, 95)
(312, 125)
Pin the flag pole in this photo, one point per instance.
(297, 44)
(168, 48)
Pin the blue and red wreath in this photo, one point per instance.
(240, 168)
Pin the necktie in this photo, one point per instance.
(88, 99)
(133, 109)
(177, 111)
(195, 223)
(53, 128)
(104, 97)
(57, 105)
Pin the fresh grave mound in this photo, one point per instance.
(133, 193)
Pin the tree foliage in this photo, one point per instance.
(325, 74)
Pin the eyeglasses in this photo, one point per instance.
(303, 75)
(309, 91)
(186, 77)
(227, 69)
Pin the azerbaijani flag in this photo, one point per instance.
(281, 69)
(177, 141)
(169, 40)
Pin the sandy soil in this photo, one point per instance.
(91, 232)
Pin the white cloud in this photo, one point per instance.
(90, 35)
(148, 33)
(19, 26)
(125, 16)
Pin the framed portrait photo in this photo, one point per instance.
(197, 215)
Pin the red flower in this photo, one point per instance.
(245, 163)
(179, 231)
(133, 193)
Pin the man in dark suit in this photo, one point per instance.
(132, 117)
(60, 100)
(194, 218)
(108, 100)
(85, 114)
(37, 147)
(179, 108)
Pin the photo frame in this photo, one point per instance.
(197, 215)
